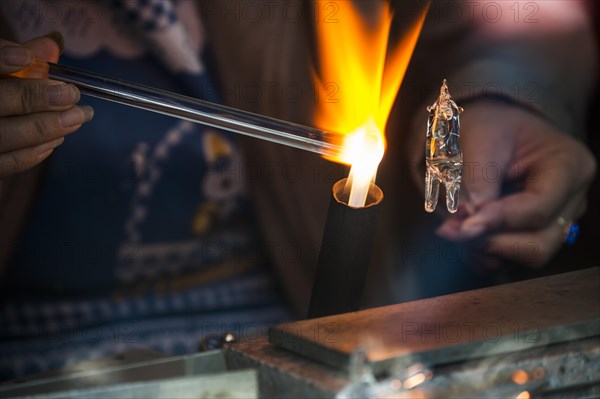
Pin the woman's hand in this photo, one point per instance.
(35, 113)
(547, 171)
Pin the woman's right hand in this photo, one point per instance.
(35, 113)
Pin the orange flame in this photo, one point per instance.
(355, 60)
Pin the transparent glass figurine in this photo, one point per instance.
(443, 157)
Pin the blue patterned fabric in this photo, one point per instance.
(149, 14)
(142, 234)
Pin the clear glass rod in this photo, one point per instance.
(204, 112)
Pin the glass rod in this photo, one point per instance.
(199, 111)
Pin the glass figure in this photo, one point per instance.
(443, 157)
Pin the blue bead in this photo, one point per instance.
(572, 234)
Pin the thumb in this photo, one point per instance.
(45, 48)
(484, 169)
(487, 153)
(533, 207)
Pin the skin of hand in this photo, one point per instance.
(549, 172)
(35, 113)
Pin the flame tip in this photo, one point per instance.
(367, 72)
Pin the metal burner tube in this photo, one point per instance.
(345, 253)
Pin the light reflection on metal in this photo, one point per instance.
(538, 373)
(403, 382)
(520, 377)
(414, 380)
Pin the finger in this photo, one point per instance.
(487, 152)
(461, 228)
(45, 48)
(531, 209)
(528, 249)
(450, 229)
(26, 131)
(26, 158)
(26, 96)
(13, 57)
(48, 47)
(535, 248)
(453, 229)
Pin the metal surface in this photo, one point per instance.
(570, 370)
(239, 384)
(458, 327)
(566, 366)
(283, 374)
(127, 368)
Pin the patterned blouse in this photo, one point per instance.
(142, 233)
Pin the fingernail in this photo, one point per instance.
(475, 225)
(58, 39)
(49, 146)
(62, 94)
(482, 218)
(472, 230)
(44, 155)
(16, 56)
(445, 230)
(445, 233)
(76, 116)
(88, 112)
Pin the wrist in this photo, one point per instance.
(504, 100)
